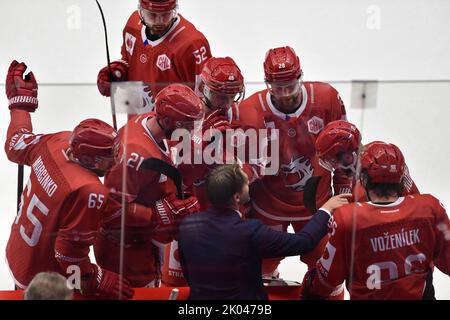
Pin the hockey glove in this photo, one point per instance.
(168, 213)
(119, 70)
(21, 90)
(216, 120)
(107, 284)
(342, 183)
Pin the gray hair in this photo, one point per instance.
(48, 286)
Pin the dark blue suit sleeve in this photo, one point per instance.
(272, 243)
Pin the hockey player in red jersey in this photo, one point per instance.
(160, 47)
(338, 147)
(299, 110)
(64, 201)
(152, 209)
(222, 86)
(387, 247)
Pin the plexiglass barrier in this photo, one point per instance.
(413, 115)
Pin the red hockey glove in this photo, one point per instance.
(342, 183)
(307, 290)
(107, 284)
(168, 213)
(119, 70)
(216, 120)
(21, 91)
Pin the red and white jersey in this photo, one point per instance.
(298, 131)
(394, 248)
(194, 175)
(61, 206)
(177, 57)
(143, 187)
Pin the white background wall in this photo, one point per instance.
(62, 41)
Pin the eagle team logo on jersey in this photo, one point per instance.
(163, 62)
(296, 173)
(315, 125)
(130, 41)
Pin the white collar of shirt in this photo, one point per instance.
(237, 211)
(393, 204)
(146, 41)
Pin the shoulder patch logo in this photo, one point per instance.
(163, 62)
(315, 125)
(130, 41)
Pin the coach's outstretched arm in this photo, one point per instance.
(273, 243)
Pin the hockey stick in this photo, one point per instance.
(309, 193)
(166, 169)
(113, 108)
(19, 184)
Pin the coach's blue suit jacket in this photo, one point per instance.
(221, 253)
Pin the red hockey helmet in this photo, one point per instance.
(95, 145)
(282, 64)
(222, 83)
(178, 107)
(384, 162)
(337, 145)
(158, 5)
(157, 15)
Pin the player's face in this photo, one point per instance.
(105, 163)
(101, 165)
(286, 93)
(190, 126)
(245, 195)
(158, 22)
(217, 100)
(345, 161)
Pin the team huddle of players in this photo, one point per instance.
(383, 245)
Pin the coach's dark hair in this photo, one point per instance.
(383, 189)
(223, 182)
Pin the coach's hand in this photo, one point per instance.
(336, 202)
